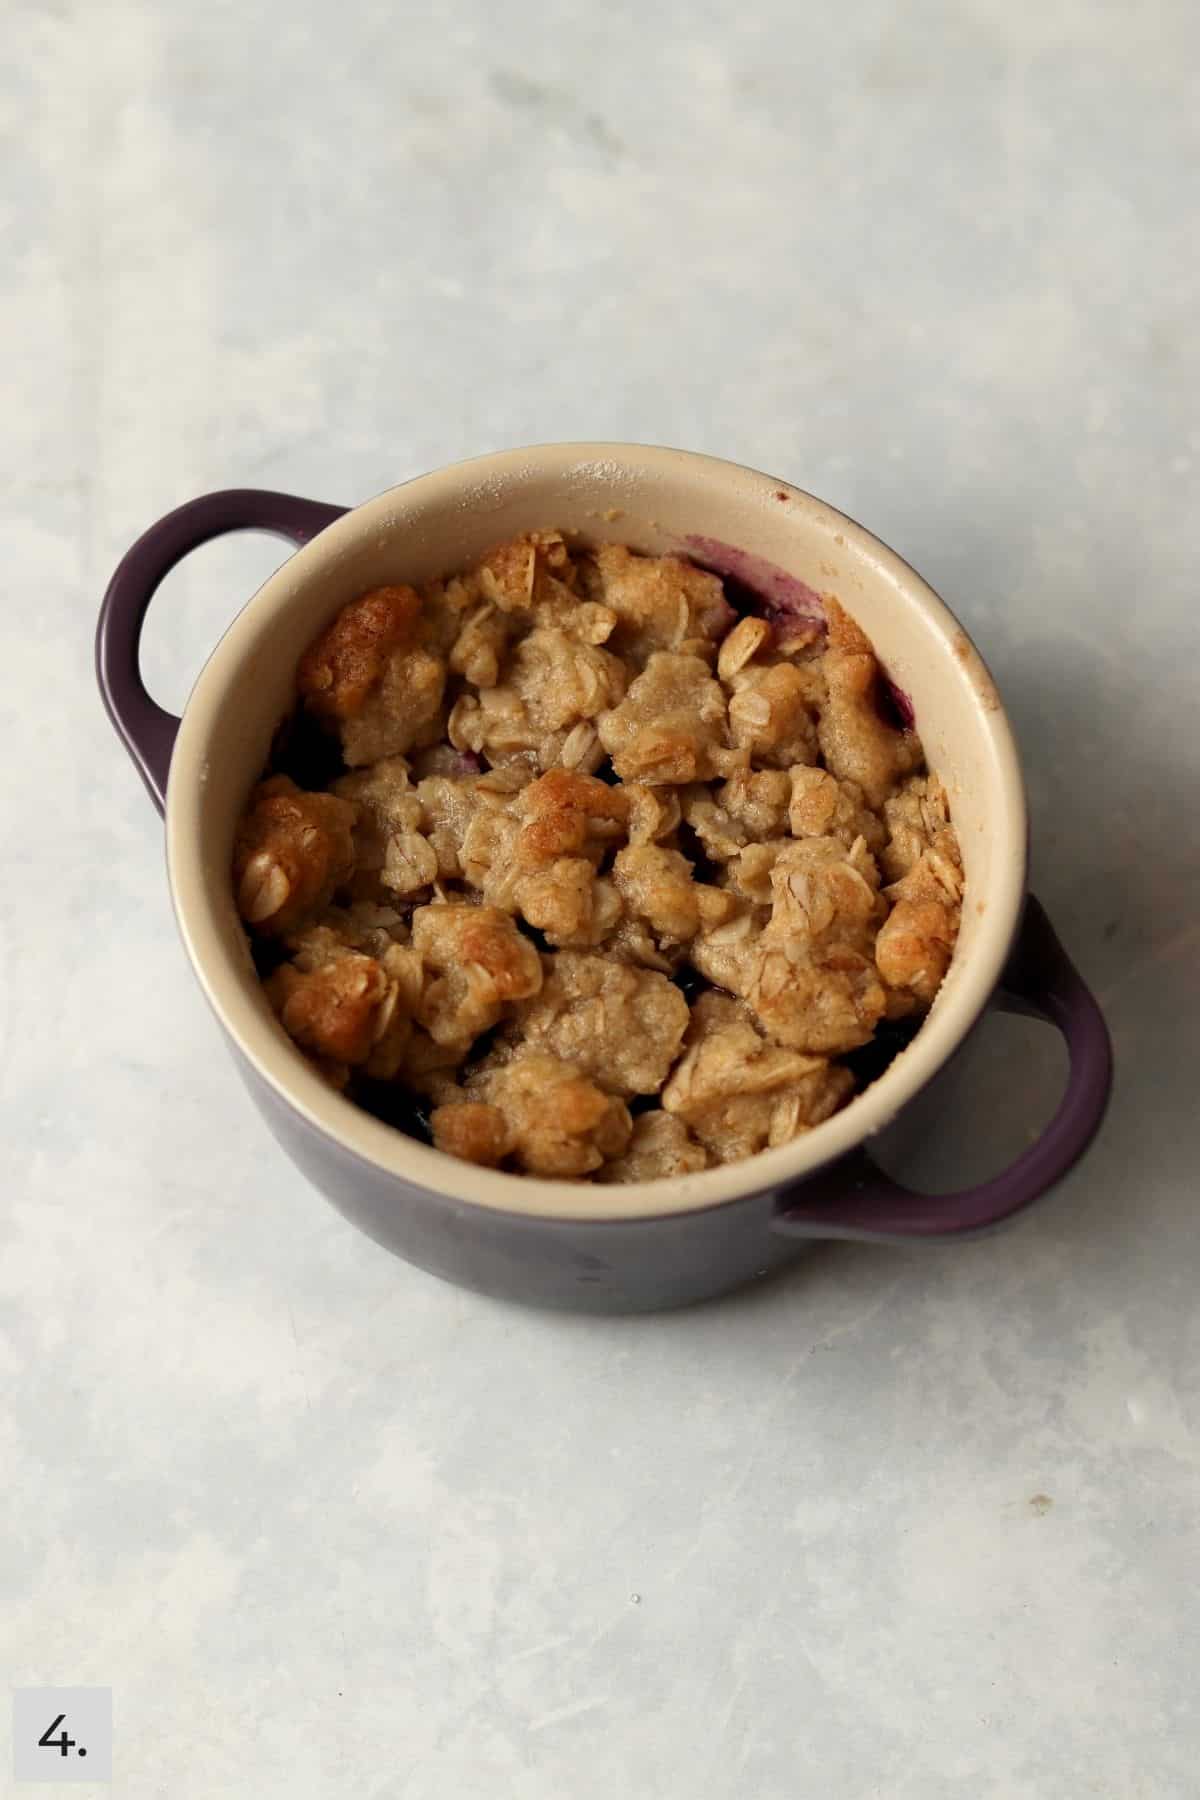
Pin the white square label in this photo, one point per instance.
(62, 1734)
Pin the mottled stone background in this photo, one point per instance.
(906, 1525)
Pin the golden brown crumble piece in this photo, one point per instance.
(375, 675)
(823, 890)
(748, 808)
(514, 575)
(538, 853)
(551, 1119)
(919, 830)
(339, 1009)
(661, 1146)
(654, 812)
(561, 681)
(772, 714)
(826, 1003)
(473, 1130)
(453, 806)
(361, 925)
(570, 772)
(808, 973)
(671, 726)
(540, 713)
(915, 943)
(620, 1024)
(816, 987)
(856, 742)
(495, 724)
(533, 580)
(391, 853)
(291, 853)
(748, 874)
(819, 806)
(476, 960)
(822, 998)
(729, 955)
(447, 805)
(340, 670)
(569, 903)
(488, 855)
(914, 947)
(657, 886)
(738, 1093)
(568, 814)
(478, 650)
(822, 806)
(661, 603)
(345, 938)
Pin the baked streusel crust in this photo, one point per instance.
(576, 868)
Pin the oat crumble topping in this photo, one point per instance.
(574, 868)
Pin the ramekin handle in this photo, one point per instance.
(860, 1201)
(145, 728)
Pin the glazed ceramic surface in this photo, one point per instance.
(591, 1244)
